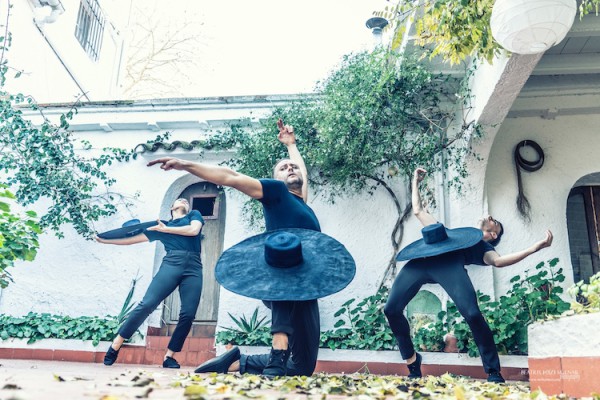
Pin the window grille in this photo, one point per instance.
(90, 27)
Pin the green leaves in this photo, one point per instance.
(363, 327)
(34, 327)
(18, 236)
(253, 332)
(587, 295)
(532, 298)
(42, 162)
(452, 29)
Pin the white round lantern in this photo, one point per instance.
(531, 26)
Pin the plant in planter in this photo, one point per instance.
(430, 337)
(564, 350)
(587, 296)
(532, 298)
(34, 326)
(368, 329)
(253, 332)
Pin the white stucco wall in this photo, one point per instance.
(570, 145)
(78, 277)
(55, 66)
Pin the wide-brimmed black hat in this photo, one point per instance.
(130, 228)
(437, 240)
(286, 264)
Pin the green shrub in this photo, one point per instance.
(35, 326)
(533, 298)
(587, 295)
(252, 332)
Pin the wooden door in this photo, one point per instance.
(591, 199)
(210, 201)
(583, 224)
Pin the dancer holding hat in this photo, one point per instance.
(181, 267)
(288, 267)
(440, 257)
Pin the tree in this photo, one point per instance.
(18, 236)
(453, 29)
(44, 162)
(375, 119)
(160, 52)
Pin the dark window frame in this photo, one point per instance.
(89, 29)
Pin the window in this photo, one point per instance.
(90, 27)
(207, 206)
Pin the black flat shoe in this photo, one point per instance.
(495, 376)
(414, 369)
(170, 362)
(111, 356)
(220, 364)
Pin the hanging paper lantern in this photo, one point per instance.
(531, 26)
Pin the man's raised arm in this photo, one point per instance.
(216, 174)
(423, 216)
(288, 138)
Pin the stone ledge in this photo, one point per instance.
(564, 355)
(198, 350)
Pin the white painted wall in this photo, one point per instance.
(48, 56)
(76, 277)
(570, 145)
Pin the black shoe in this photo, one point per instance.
(170, 362)
(494, 376)
(220, 364)
(277, 365)
(414, 369)
(111, 356)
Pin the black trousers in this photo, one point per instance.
(178, 268)
(449, 271)
(300, 320)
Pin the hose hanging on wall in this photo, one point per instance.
(530, 166)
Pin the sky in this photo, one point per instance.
(267, 46)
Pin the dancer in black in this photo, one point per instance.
(440, 257)
(181, 267)
(295, 324)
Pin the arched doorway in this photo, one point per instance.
(210, 201)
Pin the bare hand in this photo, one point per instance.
(547, 242)
(286, 133)
(419, 175)
(168, 163)
(98, 239)
(160, 227)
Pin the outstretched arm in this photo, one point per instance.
(288, 138)
(495, 259)
(187, 230)
(423, 216)
(214, 173)
(141, 238)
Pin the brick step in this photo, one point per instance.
(192, 358)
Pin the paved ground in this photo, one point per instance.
(43, 380)
(34, 379)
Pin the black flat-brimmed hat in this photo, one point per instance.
(437, 240)
(286, 264)
(130, 228)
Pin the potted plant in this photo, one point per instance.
(564, 352)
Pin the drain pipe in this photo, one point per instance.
(39, 28)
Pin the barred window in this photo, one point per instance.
(90, 27)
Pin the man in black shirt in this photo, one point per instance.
(295, 324)
(447, 269)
